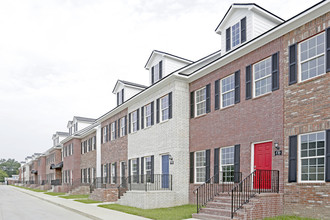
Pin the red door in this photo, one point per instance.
(263, 165)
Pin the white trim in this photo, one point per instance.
(220, 160)
(195, 176)
(264, 77)
(195, 101)
(221, 103)
(167, 108)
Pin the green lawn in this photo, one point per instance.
(285, 217)
(35, 190)
(173, 213)
(75, 197)
(87, 201)
(55, 193)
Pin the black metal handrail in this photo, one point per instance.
(259, 181)
(222, 182)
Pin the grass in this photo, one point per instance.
(75, 197)
(34, 190)
(286, 217)
(55, 193)
(87, 201)
(173, 213)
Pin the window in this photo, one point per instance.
(156, 72)
(228, 91)
(200, 164)
(312, 156)
(122, 127)
(113, 173)
(235, 32)
(148, 169)
(147, 110)
(134, 170)
(262, 72)
(227, 164)
(200, 101)
(312, 58)
(134, 121)
(113, 131)
(164, 108)
(120, 97)
(104, 134)
(104, 172)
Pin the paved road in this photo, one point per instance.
(16, 205)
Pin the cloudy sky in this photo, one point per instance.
(60, 58)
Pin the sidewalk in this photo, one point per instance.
(88, 210)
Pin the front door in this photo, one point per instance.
(263, 165)
(165, 171)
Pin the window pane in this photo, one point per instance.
(262, 77)
(227, 90)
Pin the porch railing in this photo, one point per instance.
(259, 181)
(222, 182)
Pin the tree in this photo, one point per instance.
(3, 174)
(9, 166)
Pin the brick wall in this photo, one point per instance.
(88, 160)
(306, 107)
(72, 162)
(105, 195)
(249, 121)
(42, 168)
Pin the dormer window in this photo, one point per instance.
(236, 34)
(156, 72)
(120, 97)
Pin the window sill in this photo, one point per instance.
(312, 79)
(199, 116)
(312, 183)
(164, 121)
(227, 107)
(263, 95)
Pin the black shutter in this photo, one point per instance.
(170, 105)
(293, 159)
(207, 173)
(237, 86)
(117, 98)
(216, 94)
(327, 156)
(101, 173)
(157, 111)
(208, 98)
(115, 172)
(106, 133)
(227, 39)
(152, 168)
(160, 69)
(237, 163)
(107, 166)
(292, 64)
(115, 130)
(81, 149)
(152, 75)
(94, 142)
(137, 168)
(142, 117)
(122, 96)
(142, 169)
(243, 30)
(275, 72)
(216, 165)
(125, 125)
(192, 104)
(129, 171)
(152, 113)
(118, 128)
(248, 86)
(129, 123)
(137, 119)
(102, 135)
(191, 167)
(327, 55)
(109, 172)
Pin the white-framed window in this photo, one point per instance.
(71, 152)
(156, 72)
(164, 108)
(228, 91)
(113, 131)
(120, 96)
(122, 127)
(262, 77)
(148, 168)
(200, 166)
(312, 57)
(134, 121)
(200, 101)
(227, 164)
(235, 33)
(104, 134)
(113, 172)
(312, 157)
(134, 170)
(147, 110)
(105, 172)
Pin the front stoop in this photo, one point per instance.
(259, 207)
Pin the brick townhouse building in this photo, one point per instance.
(250, 121)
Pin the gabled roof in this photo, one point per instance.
(129, 84)
(248, 6)
(84, 119)
(155, 52)
(61, 133)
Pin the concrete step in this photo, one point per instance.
(216, 211)
(211, 217)
(220, 205)
(222, 199)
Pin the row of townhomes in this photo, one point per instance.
(242, 133)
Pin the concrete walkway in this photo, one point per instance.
(88, 210)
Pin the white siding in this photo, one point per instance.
(170, 65)
(261, 24)
(130, 92)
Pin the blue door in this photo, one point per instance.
(165, 171)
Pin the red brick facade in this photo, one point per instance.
(71, 163)
(88, 159)
(306, 110)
